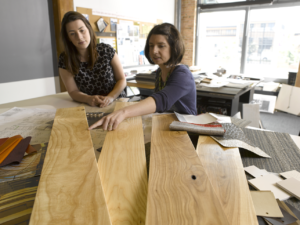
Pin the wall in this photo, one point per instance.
(141, 10)
(28, 65)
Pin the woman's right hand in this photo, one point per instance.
(94, 100)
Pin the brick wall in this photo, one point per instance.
(188, 29)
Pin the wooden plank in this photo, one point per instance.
(297, 82)
(60, 7)
(70, 190)
(226, 173)
(123, 172)
(179, 191)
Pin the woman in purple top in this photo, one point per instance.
(175, 86)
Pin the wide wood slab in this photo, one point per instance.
(179, 191)
(70, 190)
(225, 171)
(123, 171)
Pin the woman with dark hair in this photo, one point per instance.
(175, 86)
(92, 73)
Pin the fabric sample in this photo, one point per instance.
(31, 165)
(198, 129)
(235, 137)
(241, 123)
(18, 152)
(281, 147)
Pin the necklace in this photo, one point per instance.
(161, 83)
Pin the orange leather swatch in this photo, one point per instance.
(2, 141)
(17, 154)
(8, 146)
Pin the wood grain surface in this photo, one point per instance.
(70, 190)
(123, 172)
(179, 191)
(225, 170)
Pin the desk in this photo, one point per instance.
(232, 96)
(63, 100)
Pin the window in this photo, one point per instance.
(271, 47)
(220, 40)
(274, 49)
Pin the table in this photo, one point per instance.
(231, 97)
(62, 100)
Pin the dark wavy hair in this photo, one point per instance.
(70, 53)
(174, 39)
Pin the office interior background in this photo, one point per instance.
(258, 40)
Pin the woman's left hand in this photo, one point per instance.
(106, 100)
(111, 121)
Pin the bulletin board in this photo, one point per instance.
(128, 38)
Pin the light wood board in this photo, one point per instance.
(268, 183)
(179, 191)
(225, 170)
(265, 204)
(70, 190)
(123, 171)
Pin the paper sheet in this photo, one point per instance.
(33, 122)
(204, 118)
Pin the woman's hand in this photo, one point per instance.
(106, 100)
(111, 121)
(94, 100)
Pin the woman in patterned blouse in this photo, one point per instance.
(92, 73)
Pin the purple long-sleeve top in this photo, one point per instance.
(179, 94)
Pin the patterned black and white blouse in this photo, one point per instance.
(100, 79)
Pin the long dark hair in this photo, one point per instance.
(173, 38)
(70, 53)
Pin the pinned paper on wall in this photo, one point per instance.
(109, 41)
(113, 24)
(102, 24)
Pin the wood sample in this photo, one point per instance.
(293, 173)
(225, 171)
(255, 172)
(123, 171)
(70, 190)
(291, 186)
(179, 191)
(265, 204)
(268, 183)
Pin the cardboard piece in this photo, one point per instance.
(268, 183)
(288, 99)
(295, 174)
(287, 219)
(265, 204)
(255, 172)
(251, 113)
(291, 185)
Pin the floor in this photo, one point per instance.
(281, 122)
